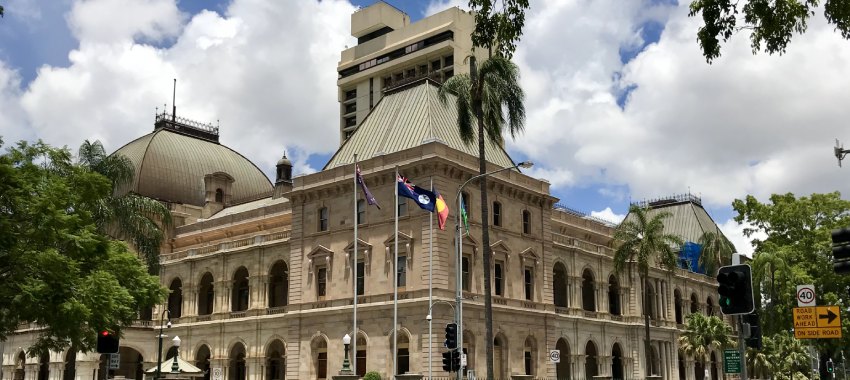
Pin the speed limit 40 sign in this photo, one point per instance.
(806, 295)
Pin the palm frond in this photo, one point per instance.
(459, 86)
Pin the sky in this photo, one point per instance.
(621, 106)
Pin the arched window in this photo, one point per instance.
(44, 366)
(20, 366)
(276, 361)
(559, 285)
(239, 301)
(206, 295)
(237, 363)
(588, 294)
(175, 298)
(202, 360)
(362, 346)
(655, 363)
(617, 362)
(682, 370)
(70, 372)
(650, 301)
(130, 366)
(709, 306)
(694, 303)
(529, 356)
(614, 296)
(497, 214)
(403, 354)
(320, 353)
(279, 284)
(469, 345)
(562, 369)
(219, 196)
(713, 364)
(677, 301)
(500, 357)
(591, 368)
(323, 219)
(526, 222)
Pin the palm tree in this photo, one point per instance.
(716, 251)
(136, 219)
(485, 96)
(704, 334)
(641, 240)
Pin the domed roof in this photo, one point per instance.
(171, 166)
(284, 161)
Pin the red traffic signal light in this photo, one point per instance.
(107, 343)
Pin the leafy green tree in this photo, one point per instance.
(781, 357)
(771, 23)
(704, 334)
(57, 269)
(796, 251)
(716, 251)
(486, 96)
(129, 217)
(641, 240)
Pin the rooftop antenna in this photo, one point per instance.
(840, 152)
(174, 103)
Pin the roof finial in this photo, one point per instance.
(174, 102)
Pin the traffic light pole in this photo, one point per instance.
(742, 348)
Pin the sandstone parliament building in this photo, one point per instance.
(261, 273)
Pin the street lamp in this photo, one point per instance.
(459, 250)
(428, 318)
(159, 352)
(175, 368)
(346, 365)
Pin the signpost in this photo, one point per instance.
(554, 356)
(217, 374)
(114, 361)
(820, 322)
(731, 361)
(806, 295)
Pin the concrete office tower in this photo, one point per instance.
(391, 52)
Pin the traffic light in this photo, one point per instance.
(735, 286)
(841, 250)
(447, 361)
(456, 359)
(829, 366)
(451, 336)
(107, 342)
(754, 340)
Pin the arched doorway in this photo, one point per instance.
(559, 285)
(591, 368)
(614, 295)
(682, 370)
(276, 361)
(403, 350)
(44, 366)
(469, 345)
(320, 357)
(529, 356)
(694, 303)
(279, 285)
(699, 369)
(713, 366)
(617, 362)
(362, 346)
(202, 360)
(130, 365)
(20, 366)
(709, 306)
(500, 360)
(70, 372)
(562, 369)
(241, 292)
(206, 295)
(655, 362)
(175, 298)
(650, 301)
(588, 293)
(237, 370)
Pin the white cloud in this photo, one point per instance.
(271, 84)
(609, 215)
(735, 233)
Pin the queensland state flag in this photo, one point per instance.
(424, 198)
(442, 210)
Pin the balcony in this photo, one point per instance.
(239, 244)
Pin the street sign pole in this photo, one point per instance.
(742, 348)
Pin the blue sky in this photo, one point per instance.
(621, 105)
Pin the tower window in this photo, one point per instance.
(323, 219)
(526, 222)
(497, 214)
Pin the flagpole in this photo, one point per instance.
(354, 271)
(395, 283)
(430, 283)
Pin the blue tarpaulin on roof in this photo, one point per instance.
(689, 257)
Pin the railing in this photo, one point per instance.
(676, 198)
(618, 318)
(435, 76)
(183, 122)
(590, 314)
(204, 318)
(238, 314)
(236, 244)
(581, 244)
(276, 310)
(583, 215)
(561, 310)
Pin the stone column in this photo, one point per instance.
(190, 300)
(222, 296)
(578, 371)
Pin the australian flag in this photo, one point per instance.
(424, 198)
(370, 199)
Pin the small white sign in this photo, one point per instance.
(114, 361)
(554, 356)
(806, 296)
(216, 374)
(463, 360)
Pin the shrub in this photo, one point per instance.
(372, 375)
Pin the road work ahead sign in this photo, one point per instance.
(821, 322)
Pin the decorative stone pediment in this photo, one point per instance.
(500, 250)
(364, 251)
(405, 248)
(529, 257)
(469, 246)
(318, 256)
